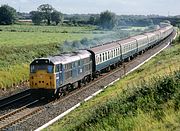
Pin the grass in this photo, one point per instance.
(14, 62)
(18, 35)
(20, 44)
(147, 99)
(38, 38)
(10, 76)
(153, 101)
(47, 29)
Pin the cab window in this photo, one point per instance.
(35, 68)
(50, 69)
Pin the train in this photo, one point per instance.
(56, 75)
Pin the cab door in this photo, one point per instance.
(58, 73)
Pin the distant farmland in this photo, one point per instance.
(18, 35)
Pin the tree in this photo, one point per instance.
(56, 17)
(46, 10)
(92, 20)
(36, 17)
(7, 15)
(107, 20)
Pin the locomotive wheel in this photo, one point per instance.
(89, 78)
(60, 92)
(84, 80)
(70, 87)
(57, 94)
(79, 84)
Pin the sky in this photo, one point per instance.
(120, 7)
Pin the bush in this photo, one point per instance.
(64, 31)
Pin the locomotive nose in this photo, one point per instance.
(42, 80)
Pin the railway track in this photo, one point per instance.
(14, 98)
(19, 114)
(38, 115)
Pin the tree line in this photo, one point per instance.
(46, 14)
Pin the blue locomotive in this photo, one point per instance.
(61, 73)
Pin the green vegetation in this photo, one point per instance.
(7, 15)
(36, 38)
(152, 99)
(46, 13)
(146, 99)
(14, 61)
(48, 29)
(20, 44)
(107, 20)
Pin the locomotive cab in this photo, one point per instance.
(42, 74)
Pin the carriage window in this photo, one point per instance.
(100, 58)
(106, 55)
(103, 56)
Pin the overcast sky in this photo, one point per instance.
(141, 7)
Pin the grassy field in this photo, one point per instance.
(18, 35)
(37, 38)
(146, 99)
(20, 44)
(47, 29)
